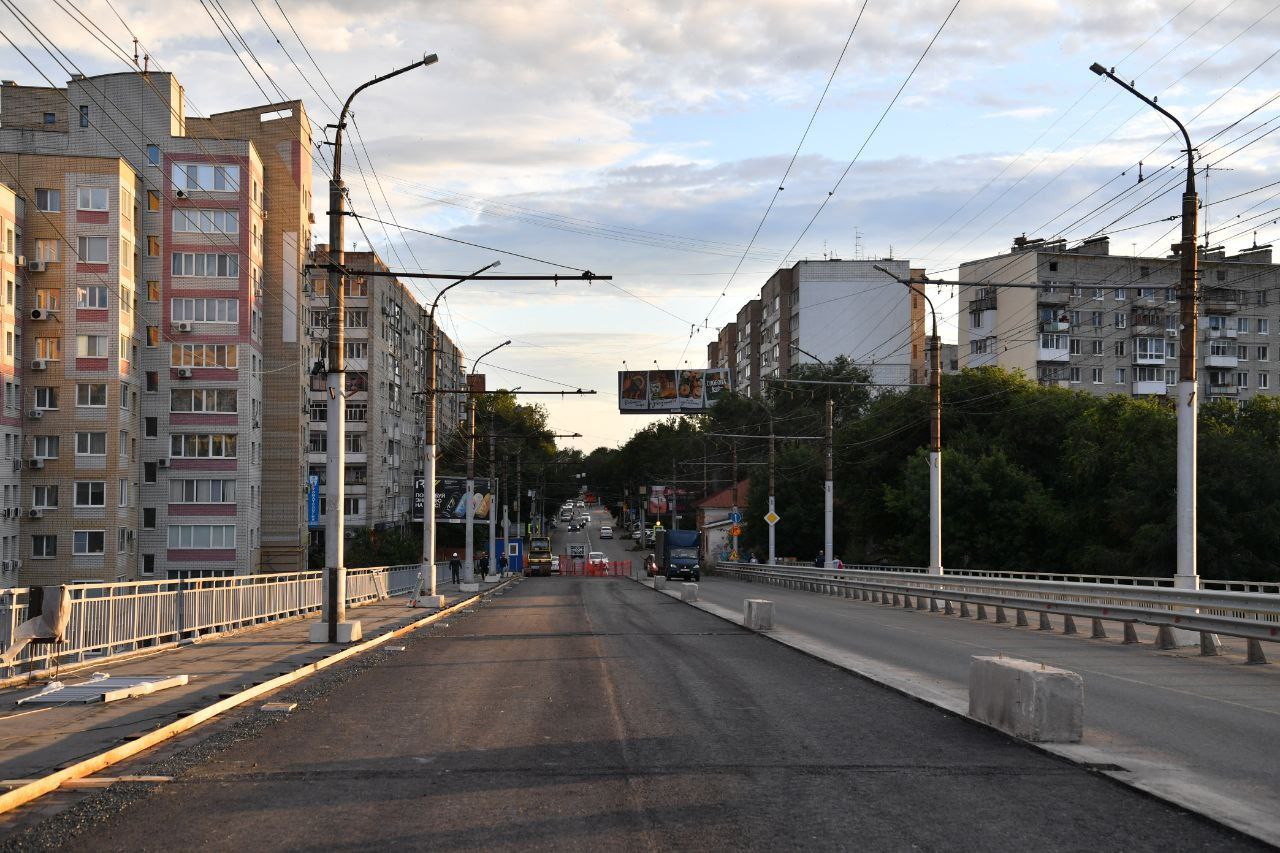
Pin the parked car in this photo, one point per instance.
(606, 532)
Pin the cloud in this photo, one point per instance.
(1023, 113)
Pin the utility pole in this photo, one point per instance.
(493, 502)
(1187, 573)
(675, 518)
(468, 566)
(828, 490)
(334, 627)
(735, 492)
(935, 425)
(773, 551)
(519, 493)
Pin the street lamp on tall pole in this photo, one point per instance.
(468, 566)
(935, 426)
(1187, 575)
(828, 482)
(429, 446)
(334, 626)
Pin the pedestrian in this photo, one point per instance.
(820, 560)
(754, 558)
(484, 567)
(502, 565)
(455, 567)
(839, 564)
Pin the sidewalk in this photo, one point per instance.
(36, 740)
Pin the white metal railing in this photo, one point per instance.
(117, 618)
(1252, 615)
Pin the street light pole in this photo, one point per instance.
(935, 428)
(468, 565)
(828, 484)
(1187, 574)
(429, 445)
(334, 626)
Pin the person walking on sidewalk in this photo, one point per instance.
(502, 565)
(484, 567)
(455, 567)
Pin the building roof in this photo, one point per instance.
(724, 499)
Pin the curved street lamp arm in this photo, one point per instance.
(1097, 68)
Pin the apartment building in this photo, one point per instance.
(829, 308)
(746, 357)
(214, 300)
(12, 216)
(71, 363)
(1109, 324)
(386, 345)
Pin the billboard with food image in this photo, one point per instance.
(671, 391)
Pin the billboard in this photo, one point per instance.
(648, 392)
(451, 499)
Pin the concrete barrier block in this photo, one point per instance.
(757, 614)
(1028, 700)
(688, 592)
(659, 582)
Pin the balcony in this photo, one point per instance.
(986, 303)
(1227, 361)
(1059, 298)
(1219, 302)
(1057, 326)
(1223, 390)
(1148, 359)
(1221, 334)
(1148, 388)
(1052, 354)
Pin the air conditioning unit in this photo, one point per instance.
(41, 313)
(37, 266)
(36, 464)
(39, 364)
(35, 513)
(36, 414)
(162, 463)
(183, 326)
(21, 260)
(184, 372)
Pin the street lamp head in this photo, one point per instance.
(1097, 68)
(429, 59)
(493, 265)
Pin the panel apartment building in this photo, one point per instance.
(1108, 324)
(163, 308)
(830, 308)
(386, 345)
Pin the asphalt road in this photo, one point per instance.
(593, 713)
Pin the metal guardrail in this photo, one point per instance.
(1253, 616)
(109, 619)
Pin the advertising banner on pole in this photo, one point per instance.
(451, 499)
(313, 500)
(671, 391)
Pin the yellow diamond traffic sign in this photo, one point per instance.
(772, 518)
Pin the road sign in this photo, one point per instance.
(772, 518)
(735, 517)
(735, 531)
(733, 555)
(578, 549)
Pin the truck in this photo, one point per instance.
(539, 560)
(676, 552)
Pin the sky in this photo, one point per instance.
(645, 140)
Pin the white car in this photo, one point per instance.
(606, 532)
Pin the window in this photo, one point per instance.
(46, 397)
(202, 400)
(153, 380)
(44, 497)
(355, 442)
(352, 506)
(150, 427)
(1242, 380)
(1221, 348)
(192, 221)
(1263, 352)
(203, 355)
(1053, 266)
(44, 545)
(153, 336)
(319, 412)
(1121, 320)
(1053, 341)
(356, 349)
(45, 446)
(357, 412)
(1096, 347)
(192, 446)
(202, 536)
(207, 264)
(1121, 294)
(48, 250)
(1170, 294)
(1170, 376)
(93, 250)
(1222, 275)
(91, 394)
(357, 287)
(206, 177)
(1264, 381)
(1144, 272)
(148, 518)
(153, 200)
(202, 491)
(123, 493)
(1095, 319)
(91, 444)
(49, 201)
(1119, 375)
(1242, 325)
(148, 472)
(1074, 346)
(319, 442)
(1242, 353)
(84, 115)
(1119, 349)
(1147, 374)
(91, 296)
(206, 310)
(88, 542)
(91, 493)
(49, 118)
(91, 198)
(1150, 348)
(357, 318)
(153, 155)
(1264, 326)
(1074, 375)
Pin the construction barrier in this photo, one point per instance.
(583, 568)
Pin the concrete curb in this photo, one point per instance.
(39, 787)
(1168, 783)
